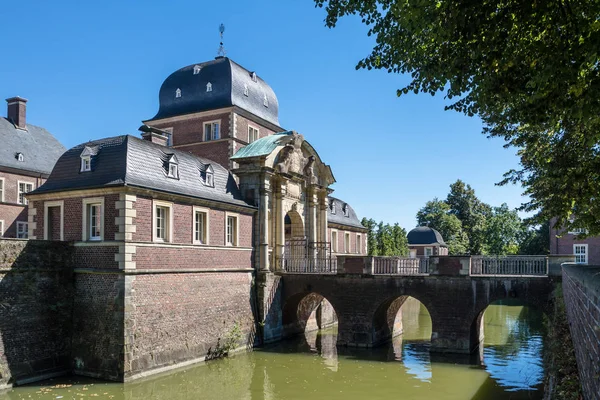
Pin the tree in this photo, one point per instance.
(371, 225)
(436, 214)
(473, 214)
(535, 240)
(400, 240)
(528, 69)
(504, 231)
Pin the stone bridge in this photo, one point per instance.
(367, 303)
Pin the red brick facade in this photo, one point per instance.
(562, 242)
(340, 246)
(11, 211)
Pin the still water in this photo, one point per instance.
(311, 367)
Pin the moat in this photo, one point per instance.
(311, 366)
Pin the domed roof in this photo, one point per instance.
(425, 235)
(216, 84)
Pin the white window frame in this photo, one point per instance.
(578, 231)
(334, 243)
(347, 242)
(197, 69)
(1, 227)
(2, 190)
(168, 225)
(47, 205)
(246, 90)
(211, 123)
(85, 213)
(169, 133)
(236, 229)
(206, 212)
(177, 93)
(173, 171)
(265, 101)
(19, 193)
(20, 157)
(425, 251)
(209, 87)
(412, 253)
(254, 77)
(22, 230)
(358, 243)
(86, 164)
(250, 136)
(585, 246)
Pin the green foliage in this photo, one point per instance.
(528, 69)
(559, 359)
(385, 239)
(230, 342)
(535, 240)
(503, 231)
(438, 215)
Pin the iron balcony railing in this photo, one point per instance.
(509, 265)
(302, 257)
(400, 266)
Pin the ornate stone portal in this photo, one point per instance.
(292, 184)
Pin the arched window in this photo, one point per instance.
(173, 167)
(178, 93)
(254, 78)
(197, 69)
(245, 90)
(20, 157)
(209, 87)
(265, 101)
(209, 176)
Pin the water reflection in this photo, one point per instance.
(313, 367)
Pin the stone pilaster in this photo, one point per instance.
(127, 227)
(31, 222)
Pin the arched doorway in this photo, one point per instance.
(294, 227)
(296, 249)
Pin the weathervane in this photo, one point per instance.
(221, 51)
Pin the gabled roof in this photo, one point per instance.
(129, 161)
(425, 235)
(39, 148)
(348, 219)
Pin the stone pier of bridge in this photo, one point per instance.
(366, 303)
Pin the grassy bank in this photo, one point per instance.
(562, 378)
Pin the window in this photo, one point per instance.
(245, 90)
(86, 164)
(20, 157)
(86, 158)
(581, 253)
(334, 241)
(252, 134)
(54, 222)
(197, 69)
(211, 130)
(209, 176)
(24, 187)
(231, 231)
(412, 253)
(22, 230)
(1, 190)
(177, 93)
(346, 242)
(265, 101)
(162, 218)
(1, 227)
(209, 87)
(169, 134)
(428, 251)
(346, 210)
(254, 77)
(358, 244)
(93, 219)
(200, 226)
(332, 206)
(578, 231)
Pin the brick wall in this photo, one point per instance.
(564, 245)
(35, 309)
(178, 317)
(192, 130)
(341, 237)
(10, 210)
(171, 257)
(99, 257)
(242, 123)
(581, 290)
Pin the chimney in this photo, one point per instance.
(154, 135)
(16, 111)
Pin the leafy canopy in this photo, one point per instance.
(529, 69)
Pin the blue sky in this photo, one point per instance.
(93, 69)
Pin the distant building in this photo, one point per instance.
(424, 241)
(586, 250)
(27, 156)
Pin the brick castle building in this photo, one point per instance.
(172, 231)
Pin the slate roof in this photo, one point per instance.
(130, 161)
(425, 235)
(228, 80)
(39, 148)
(261, 147)
(348, 219)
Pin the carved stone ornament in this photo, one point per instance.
(290, 158)
(309, 170)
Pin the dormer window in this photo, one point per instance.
(209, 87)
(254, 78)
(345, 210)
(245, 90)
(178, 93)
(173, 167)
(209, 176)
(265, 101)
(19, 157)
(197, 69)
(333, 207)
(86, 158)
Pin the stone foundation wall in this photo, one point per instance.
(581, 290)
(35, 309)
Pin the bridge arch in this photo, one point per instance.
(307, 311)
(387, 319)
